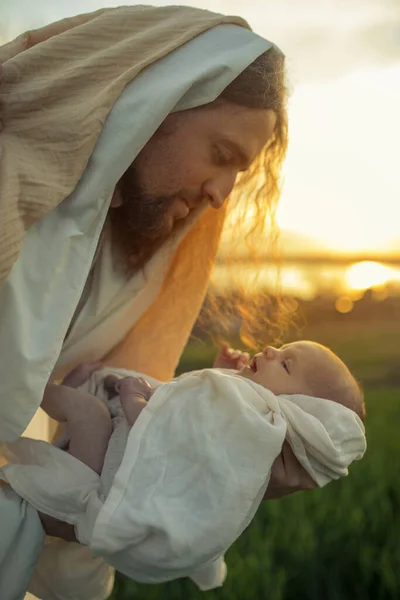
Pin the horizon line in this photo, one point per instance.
(318, 258)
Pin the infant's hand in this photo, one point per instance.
(228, 358)
(134, 386)
(80, 374)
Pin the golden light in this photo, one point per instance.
(368, 274)
(344, 304)
(380, 293)
(341, 188)
(339, 193)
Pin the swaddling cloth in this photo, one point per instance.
(195, 469)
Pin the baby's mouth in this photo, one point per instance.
(253, 364)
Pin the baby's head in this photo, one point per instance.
(306, 368)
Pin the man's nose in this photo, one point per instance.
(270, 352)
(217, 190)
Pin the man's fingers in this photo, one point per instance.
(110, 382)
(277, 471)
(81, 373)
(296, 475)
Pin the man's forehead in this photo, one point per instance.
(247, 121)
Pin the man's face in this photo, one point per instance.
(195, 155)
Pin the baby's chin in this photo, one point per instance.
(248, 373)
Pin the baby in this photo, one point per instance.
(302, 367)
(169, 475)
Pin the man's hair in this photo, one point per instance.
(262, 85)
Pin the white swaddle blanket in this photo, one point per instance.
(195, 468)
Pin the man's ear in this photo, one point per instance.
(116, 199)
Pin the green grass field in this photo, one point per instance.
(341, 542)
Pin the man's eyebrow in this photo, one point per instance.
(244, 159)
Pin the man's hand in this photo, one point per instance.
(228, 358)
(287, 476)
(80, 374)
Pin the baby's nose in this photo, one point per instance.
(270, 352)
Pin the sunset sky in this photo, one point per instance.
(342, 173)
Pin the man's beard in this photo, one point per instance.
(139, 225)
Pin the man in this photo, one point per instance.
(109, 187)
(122, 132)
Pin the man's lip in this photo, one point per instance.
(253, 364)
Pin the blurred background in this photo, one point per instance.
(340, 240)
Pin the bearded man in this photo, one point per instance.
(122, 135)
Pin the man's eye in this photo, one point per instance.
(285, 366)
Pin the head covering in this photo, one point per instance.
(66, 78)
(195, 470)
(88, 117)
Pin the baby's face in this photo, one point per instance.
(292, 369)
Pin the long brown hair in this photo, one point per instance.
(261, 85)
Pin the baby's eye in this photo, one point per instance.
(285, 366)
(221, 158)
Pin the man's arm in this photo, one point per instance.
(86, 419)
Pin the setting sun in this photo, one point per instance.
(364, 275)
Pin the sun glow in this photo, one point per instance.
(341, 185)
(364, 275)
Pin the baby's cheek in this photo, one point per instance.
(262, 380)
(271, 383)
